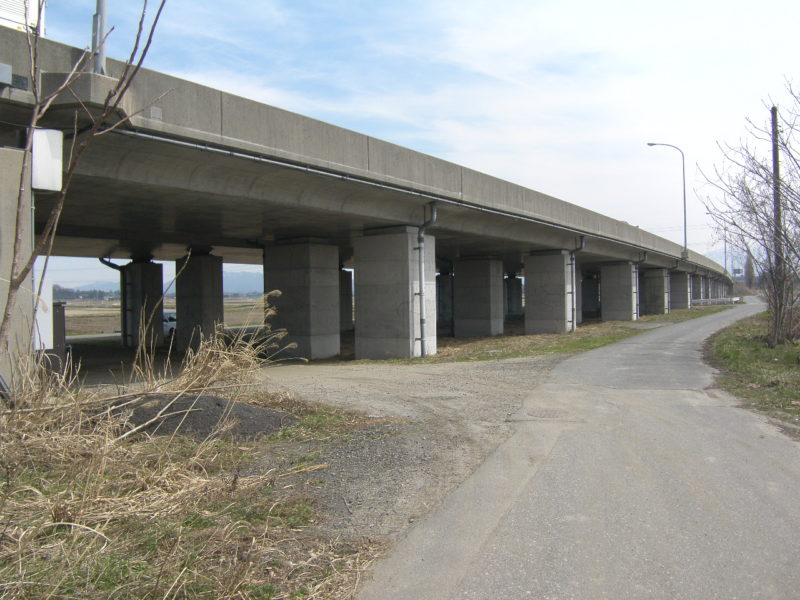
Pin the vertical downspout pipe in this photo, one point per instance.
(98, 39)
(636, 263)
(123, 299)
(576, 281)
(421, 247)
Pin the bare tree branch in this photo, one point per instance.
(22, 264)
(744, 208)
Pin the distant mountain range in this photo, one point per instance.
(233, 282)
(242, 282)
(102, 286)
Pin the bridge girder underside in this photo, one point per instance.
(136, 198)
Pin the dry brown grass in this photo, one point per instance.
(93, 507)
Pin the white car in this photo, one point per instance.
(170, 322)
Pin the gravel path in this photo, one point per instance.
(434, 425)
(625, 477)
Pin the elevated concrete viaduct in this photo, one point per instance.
(200, 176)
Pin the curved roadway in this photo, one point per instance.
(626, 477)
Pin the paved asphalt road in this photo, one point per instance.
(625, 478)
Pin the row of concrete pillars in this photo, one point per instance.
(380, 297)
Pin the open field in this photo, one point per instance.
(89, 317)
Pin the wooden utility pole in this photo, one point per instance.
(779, 281)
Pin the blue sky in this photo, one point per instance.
(558, 95)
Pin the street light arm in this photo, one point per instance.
(669, 145)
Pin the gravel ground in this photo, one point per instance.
(434, 424)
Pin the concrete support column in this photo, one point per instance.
(20, 341)
(512, 295)
(704, 282)
(590, 296)
(478, 297)
(444, 300)
(550, 292)
(578, 296)
(308, 276)
(142, 287)
(345, 300)
(619, 283)
(697, 287)
(655, 297)
(680, 295)
(387, 288)
(198, 294)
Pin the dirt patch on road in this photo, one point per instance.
(427, 429)
(203, 415)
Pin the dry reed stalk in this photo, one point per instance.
(83, 493)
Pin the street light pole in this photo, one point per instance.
(685, 253)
